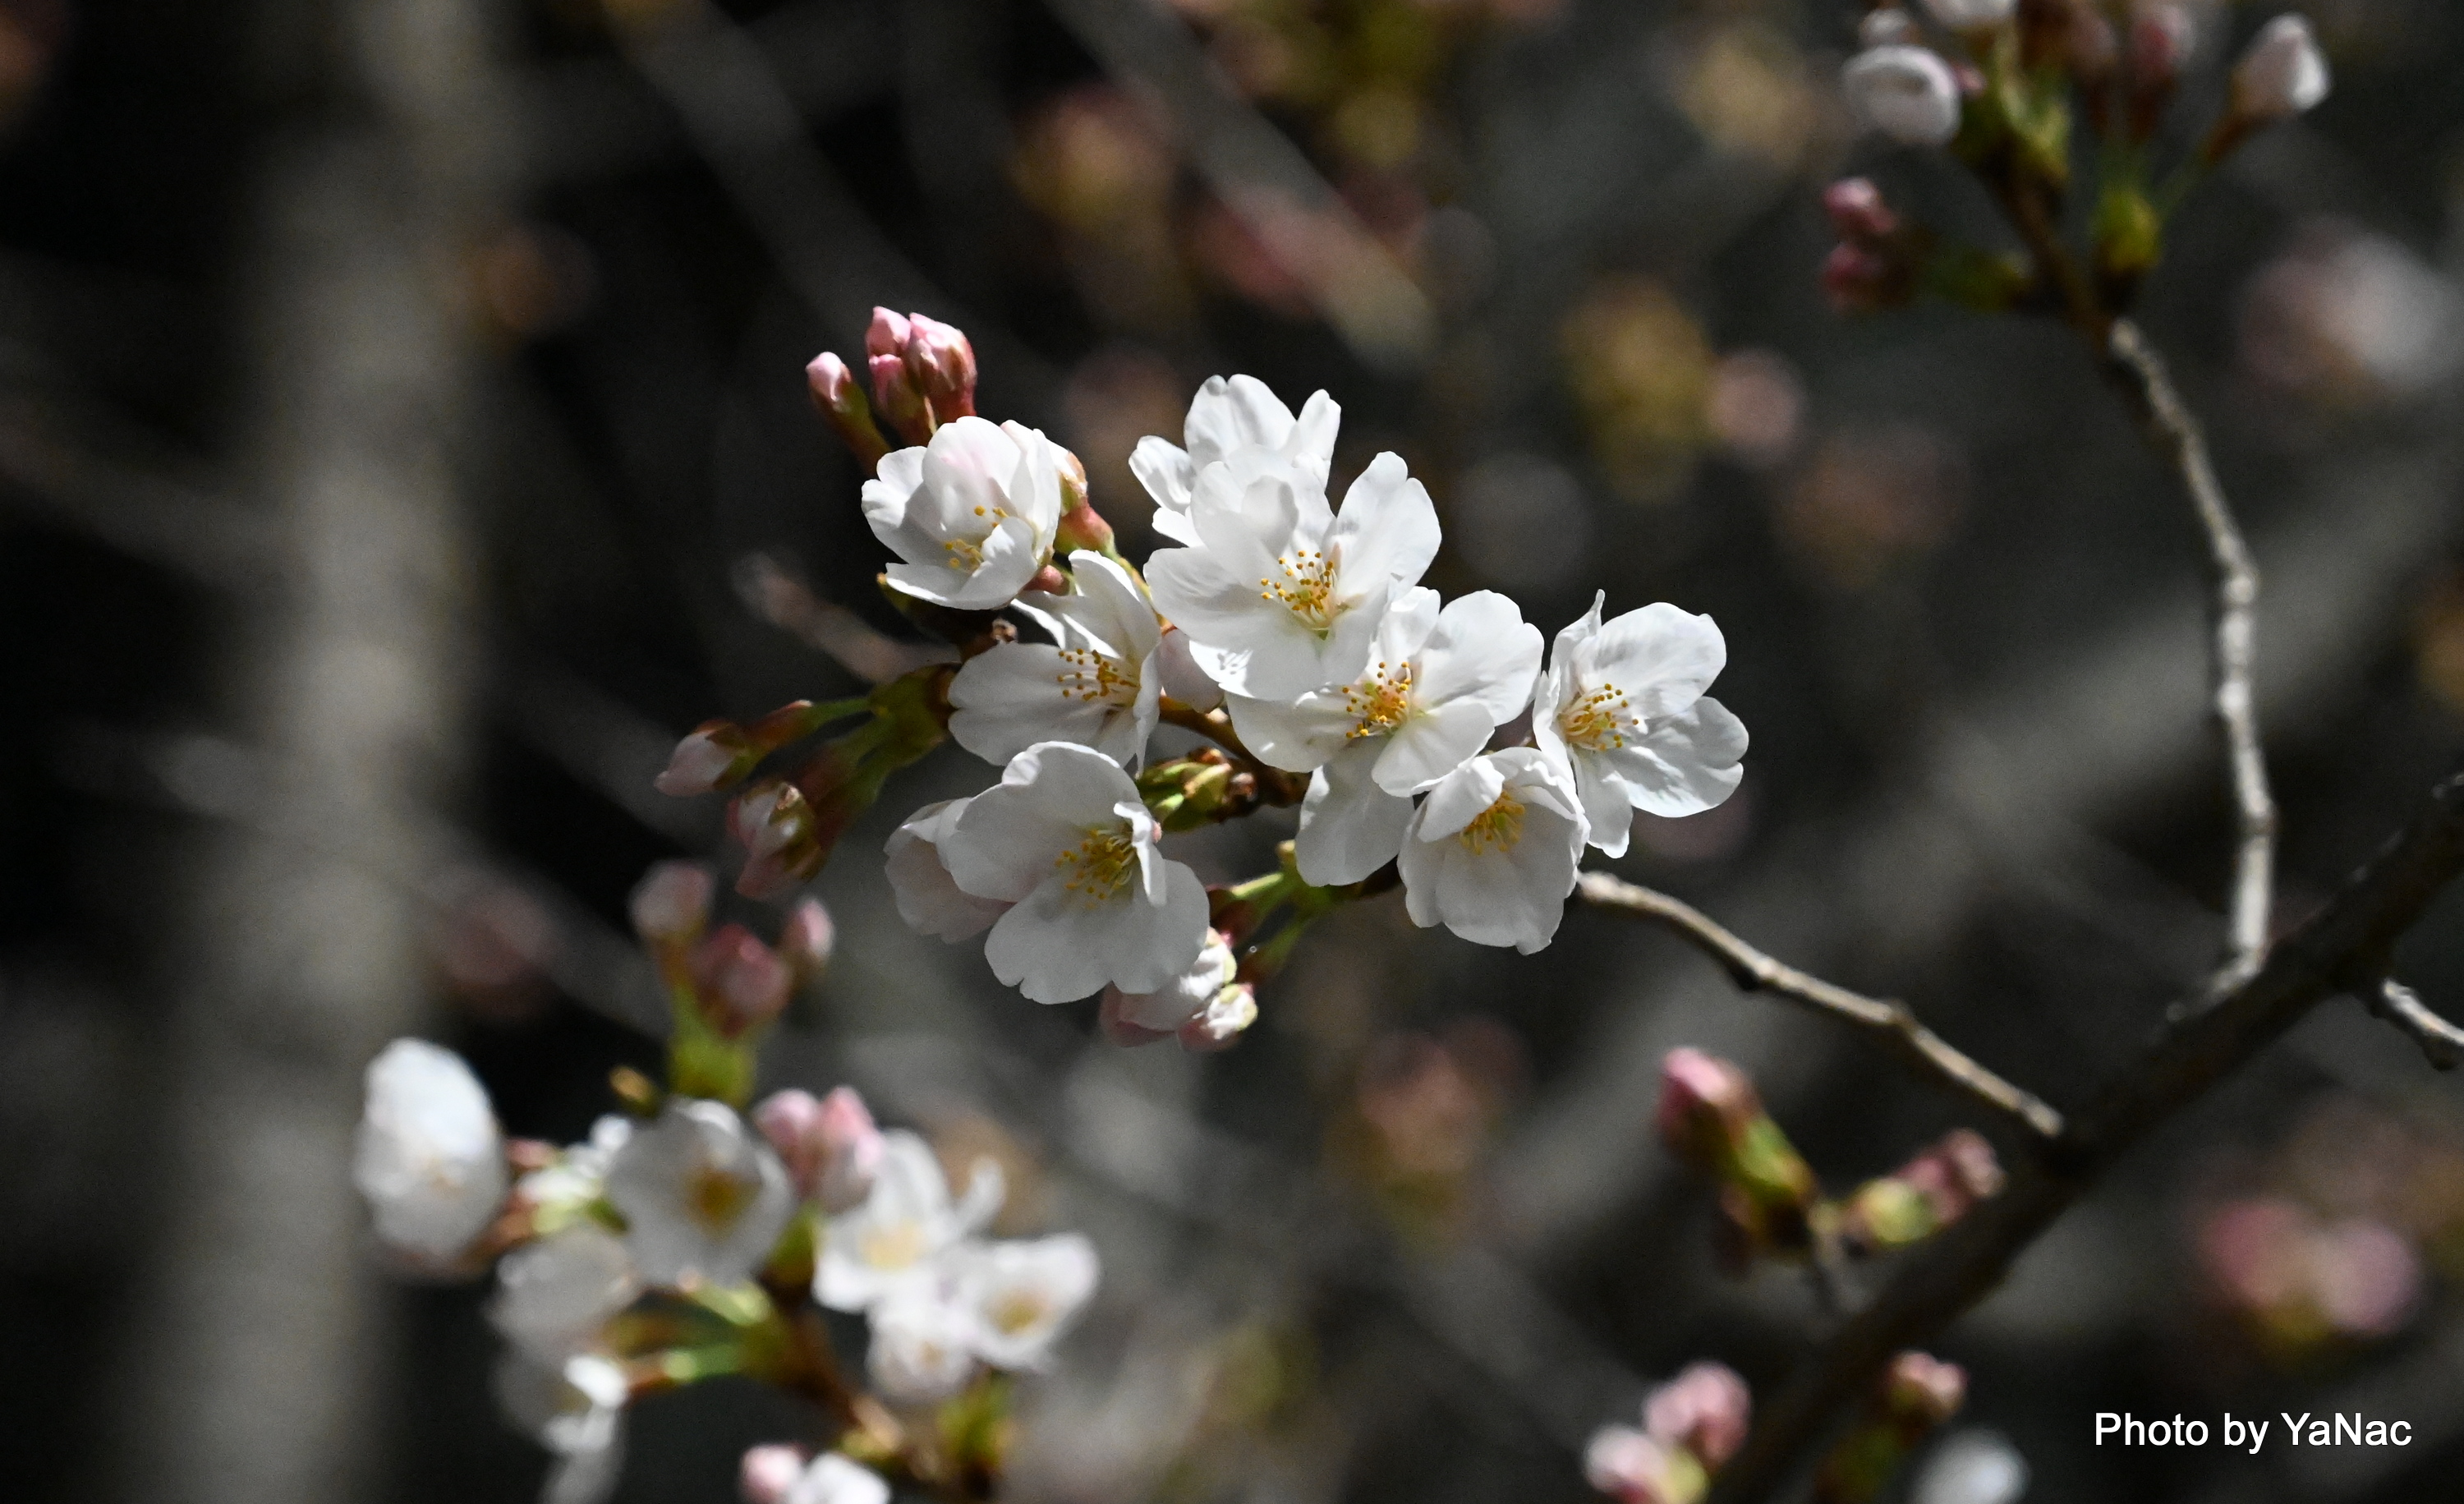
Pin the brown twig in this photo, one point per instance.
(2342, 947)
(1922, 1050)
(2441, 1042)
(1275, 787)
(2232, 650)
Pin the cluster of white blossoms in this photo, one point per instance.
(691, 1201)
(1306, 622)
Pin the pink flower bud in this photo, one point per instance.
(841, 402)
(809, 938)
(715, 755)
(943, 363)
(775, 825)
(1921, 1391)
(1634, 1468)
(742, 982)
(1704, 1410)
(1704, 1102)
(672, 902)
(886, 334)
(1858, 213)
(903, 406)
(830, 1145)
(2282, 74)
(1954, 1175)
(769, 1473)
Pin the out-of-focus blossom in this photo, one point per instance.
(1755, 407)
(2347, 319)
(1706, 1409)
(808, 940)
(742, 982)
(2283, 73)
(924, 1340)
(777, 1474)
(555, 1295)
(575, 1407)
(1225, 1018)
(1228, 414)
(1640, 368)
(1921, 1391)
(672, 902)
(970, 514)
(1962, 16)
(494, 944)
(1635, 1469)
(559, 1193)
(1095, 684)
(1972, 1466)
(1870, 499)
(1024, 1294)
(768, 1471)
(929, 899)
(781, 838)
(1491, 852)
(429, 1158)
(1436, 684)
(1884, 26)
(1905, 92)
(2298, 1279)
(1622, 707)
(1066, 840)
(1929, 1193)
(1746, 86)
(702, 1196)
(904, 1226)
(830, 1146)
(1282, 595)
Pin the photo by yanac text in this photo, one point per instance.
(2340, 1430)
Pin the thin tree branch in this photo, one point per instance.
(1920, 1048)
(2343, 946)
(2233, 645)
(2440, 1041)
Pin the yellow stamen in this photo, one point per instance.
(1379, 702)
(1089, 676)
(1307, 588)
(1497, 828)
(716, 1199)
(896, 1245)
(1600, 721)
(1017, 1311)
(1101, 865)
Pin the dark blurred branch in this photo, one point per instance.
(2233, 645)
(1898, 1029)
(2440, 1041)
(769, 591)
(1264, 180)
(2337, 949)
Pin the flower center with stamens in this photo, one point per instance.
(1600, 722)
(1101, 865)
(714, 1199)
(1017, 1311)
(1495, 829)
(1087, 674)
(1379, 701)
(968, 553)
(892, 1244)
(1307, 588)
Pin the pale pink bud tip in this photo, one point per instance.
(769, 1473)
(672, 902)
(707, 759)
(853, 1148)
(744, 978)
(809, 938)
(1922, 1391)
(886, 334)
(1704, 1410)
(1697, 1091)
(1634, 1469)
(833, 383)
(1858, 212)
(2283, 73)
(1224, 1019)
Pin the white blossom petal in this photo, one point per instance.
(429, 1158)
(1024, 1295)
(554, 1295)
(929, 899)
(1686, 763)
(703, 1197)
(1349, 826)
(1498, 875)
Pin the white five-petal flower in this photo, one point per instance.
(1436, 684)
(924, 1341)
(1064, 839)
(1622, 704)
(1095, 683)
(1281, 595)
(703, 1197)
(1024, 1294)
(576, 1409)
(899, 1233)
(1492, 850)
(834, 1479)
(972, 514)
(928, 899)
(1226, 415)
(1906, 92)
(429, 1158)
(556, 1293)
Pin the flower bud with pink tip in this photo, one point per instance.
(2282, 74)
(1633, 1468)
(830, 1145)
(941, 362)
(782, 847)
(768, 1473)
(671, 903)
(743, 984)
(841, 404)
(808, 940)
(1706, 1409)
(713, 756)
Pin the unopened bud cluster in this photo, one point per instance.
(1691, 1427)
(1916, 1394)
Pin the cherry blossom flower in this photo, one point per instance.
(1491, 852)
(1907, 93)
(1704, 1410)
(702, 1197)
(1095, 683)
(829, 1144)
(1064, 838)
(2283, 74)
(429, 1158)
(923, 1342)
(899, 1233)
(972, 513)
(1436, 684)
(1150, 1016)
(1622, 704)
(780, 1475)
(1634, 1468)
(576, 1409)
(556, 1293)
(1281, 595)
(1226, 415)
(929, 899)
(1968, 15)
(560, 1192)
(1024, 1294)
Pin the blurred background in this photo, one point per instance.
(403, 439)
